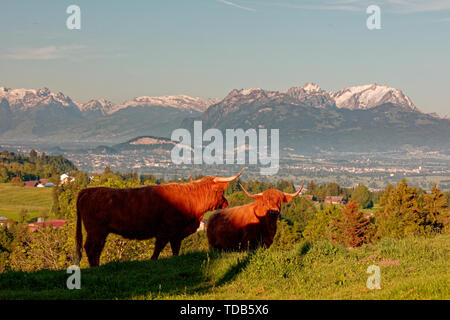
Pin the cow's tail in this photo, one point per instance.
(79, 234)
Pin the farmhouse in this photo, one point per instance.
(334, 200)
(308, 196)
(6, 222)
(31, 184)
(38, 183)
(65, 178)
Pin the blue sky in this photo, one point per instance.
(206, 48)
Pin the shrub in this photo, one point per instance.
(436, 211)
(17, 182)
(405, 211)
(298, 212)
(46, 248)
(362, 196)
(286, 237)
(320, 227)
(352, 228)
(6, 239)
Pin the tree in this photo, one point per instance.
(436, 212)
(286, 237)
(399, 212)
(333, 189)
(23, 215)
(3, 174)
(107, 171)
(298, 212)
(17, 181)
(319, 228)
(6, 239)
(311, 188)
(362, 196)
(33, 167)
(285, 186)
(43, 213)
(447, 195)
(33, 155)
(352, 228)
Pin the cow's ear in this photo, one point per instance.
(288, 197)
(258, 197)
(260, 211)
(221, 186)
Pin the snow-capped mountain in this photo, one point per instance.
(24, 99)
(246, 98)
(369, 96)
(176, 101)
(253, 95)
(307, 116)
(100, 107)
(311, 94)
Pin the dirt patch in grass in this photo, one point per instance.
(388, 263)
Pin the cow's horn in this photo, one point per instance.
(228, 179)
(291, 195)
(251, 195)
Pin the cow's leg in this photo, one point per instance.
(175, 244)
(159, 246)
(94, 245)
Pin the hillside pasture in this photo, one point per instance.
(13, 199)
(413, 268)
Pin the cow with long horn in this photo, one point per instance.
(167, 212)
(248, 226)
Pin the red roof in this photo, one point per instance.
(334, 199)
(50, 222)
(31, 183)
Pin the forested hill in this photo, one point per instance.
(32, 167)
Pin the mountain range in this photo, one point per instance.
(309, 118)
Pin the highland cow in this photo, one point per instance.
(168, 212)
(249, 226)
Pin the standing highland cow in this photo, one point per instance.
(248, 226)
(168, 212)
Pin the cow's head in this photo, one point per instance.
(268, 203)
(216, 188)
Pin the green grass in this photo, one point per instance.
(414, 268)
(34, 200)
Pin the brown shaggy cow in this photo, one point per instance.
(248, 226)
(168, 212)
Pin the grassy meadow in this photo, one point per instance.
(412, 268)
(13, 199)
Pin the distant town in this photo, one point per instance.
(376, 170)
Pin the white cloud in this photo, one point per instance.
(443, 20)
(413, 6)
(43, 53)
(229, 3)
(393, 6)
